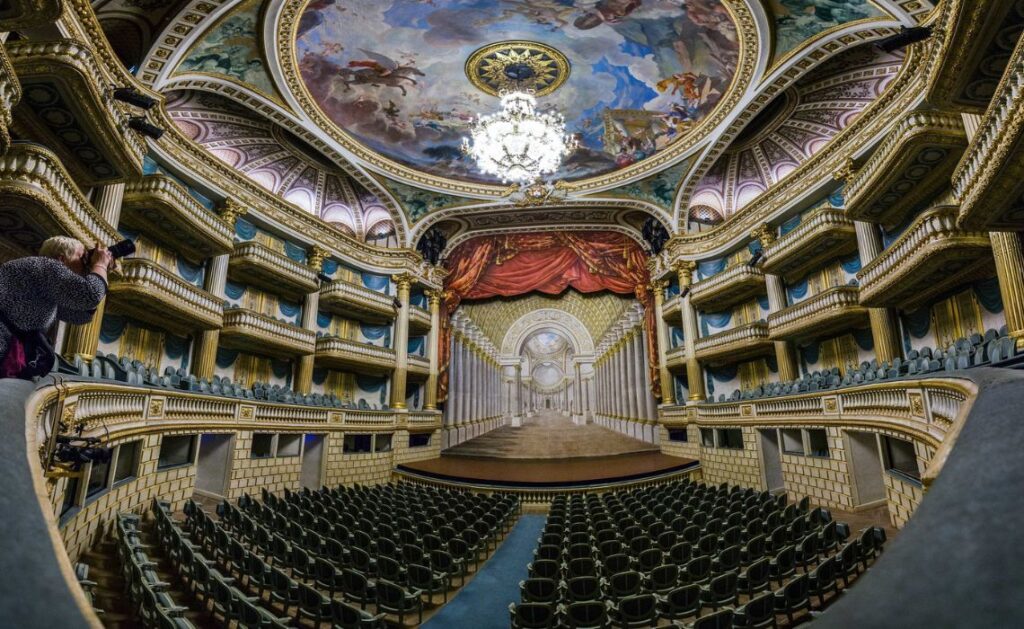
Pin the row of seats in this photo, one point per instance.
(146, 591)
(974, 351)
(630, 559)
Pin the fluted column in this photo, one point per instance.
(884, 326)
(631, 375)
(784, 351)
(641, 369)
(694, 370)
(204, 359)
(82, 338)
(1009, 256)
(434, 298)
(401, 373)
(304, 367)
(667, 395)
(650, 404)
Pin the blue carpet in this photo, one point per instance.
(483, 603)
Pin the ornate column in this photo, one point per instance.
(641, 368)
(401, 374)
(81, 339)
(694, 370)
(434, 298)
(650, 404)
(785, 355)
(1009, 256)
(667, 395)
(631, 375)
(304, 368)
(884, 323)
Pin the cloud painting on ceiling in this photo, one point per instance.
(391, 73)
(231, 49)
(797, 21)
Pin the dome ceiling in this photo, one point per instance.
(638, 75)
(279, 162)
(793, 127)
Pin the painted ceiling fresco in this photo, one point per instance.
(391, 72)
(794, 126)
(279, 162)
(797, 21)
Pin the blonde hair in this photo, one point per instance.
(60, 246)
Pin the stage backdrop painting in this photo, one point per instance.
(548, 263)
(391, 72)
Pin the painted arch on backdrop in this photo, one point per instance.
(573, 329)
(547, 262)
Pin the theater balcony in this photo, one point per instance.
(823, 235)
(671, 310)
(989, 182)
(675, 358)
(10, 94)
(338, 353)
(730, 287)
(66, 105)
(261, 266)
(737, 344)
(150, 293)
(419, 366)
(910, 167)
(930, 258)
(826, 314)
(38, 199)
(248, 330)
(161, 207)
(419, 321)
(357, 302)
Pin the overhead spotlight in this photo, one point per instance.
(905, 37)
(134, 97)
(755, 259)
(140, 124)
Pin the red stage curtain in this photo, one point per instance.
(549, 263)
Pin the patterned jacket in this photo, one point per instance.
(36, 291)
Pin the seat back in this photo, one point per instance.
(719, 620)
(533, 616)
(539, 590)
(586, 615)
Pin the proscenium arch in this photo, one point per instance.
(567, 324)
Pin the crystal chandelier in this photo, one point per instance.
(518, 144)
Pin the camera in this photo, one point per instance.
(80, 450)
(117, 250)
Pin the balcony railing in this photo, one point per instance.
(160, 207)
(10, 95)
(824, 235)
(740, 343)
(248, 330)
(148, 292)
(671, 312)
(675, 358)
(419, 321)
(339, 353)
(990, 180)
(419, 365)
(823, 315)
(257, 264)
(356, 302)
(731, 286)
(932, 257)
(42, 200)
(66, 105)
(912, 165)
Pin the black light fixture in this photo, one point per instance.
(684, 292)
(755, 258)
(134, 97)
(905, 37)
(143, 126)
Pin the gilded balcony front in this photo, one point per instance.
(419, 366)
(675, 358)
(419, 321)
(930, 258)
(989, 182)
(823, 235)
(732, 286)
(10, 94)
(255, 263)
(826, 314)
(163, 209)
(356, 302)
(253, 331)
(38, 199)
(67, 106)
(338, 353)
(150, 293)
(911, 166)
(734, 345)
(671, 312)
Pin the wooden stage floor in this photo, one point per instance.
(548, 473)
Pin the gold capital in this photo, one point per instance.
(765, 234)
(404, 280)
(685, 269)
(232, 210)
(317, 255)
(433, 297)
(846, 172)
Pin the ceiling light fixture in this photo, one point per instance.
(518, 144)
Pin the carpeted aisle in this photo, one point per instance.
(483, 603)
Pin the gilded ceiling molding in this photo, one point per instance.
(780, 79)
(283, 57)
(177, 38)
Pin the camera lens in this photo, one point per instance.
(124, 248)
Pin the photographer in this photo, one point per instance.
(64, 282)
